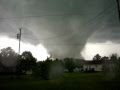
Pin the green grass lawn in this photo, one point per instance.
(69, 81)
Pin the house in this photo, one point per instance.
(93, 65)
(99, 65)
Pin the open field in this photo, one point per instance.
(69, 81)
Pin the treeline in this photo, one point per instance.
(11, 62)
(110, 65)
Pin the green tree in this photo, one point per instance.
(42, 69)
(111, 66)
(79, 64)
(69, 64)
(118, 69)
(114, 57)
(8, 57)
(56, 69)
(26, 62)
(97, 57)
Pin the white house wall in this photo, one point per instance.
(96, 67)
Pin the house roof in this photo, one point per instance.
(93, 62)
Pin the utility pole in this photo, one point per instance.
(19, 37)
(118, 6)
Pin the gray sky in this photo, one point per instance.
(62, 26)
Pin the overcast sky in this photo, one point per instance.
(64, 27)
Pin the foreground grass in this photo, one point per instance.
(69, 81)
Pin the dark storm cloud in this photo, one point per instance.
(109, 34)
(63, 26)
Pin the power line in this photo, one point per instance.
(70, 44)
(118, 7)
(68, 14)
(65, 34)
(89, 21)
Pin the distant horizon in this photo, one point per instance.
(90, 50)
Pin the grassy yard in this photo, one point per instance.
(69, 81)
